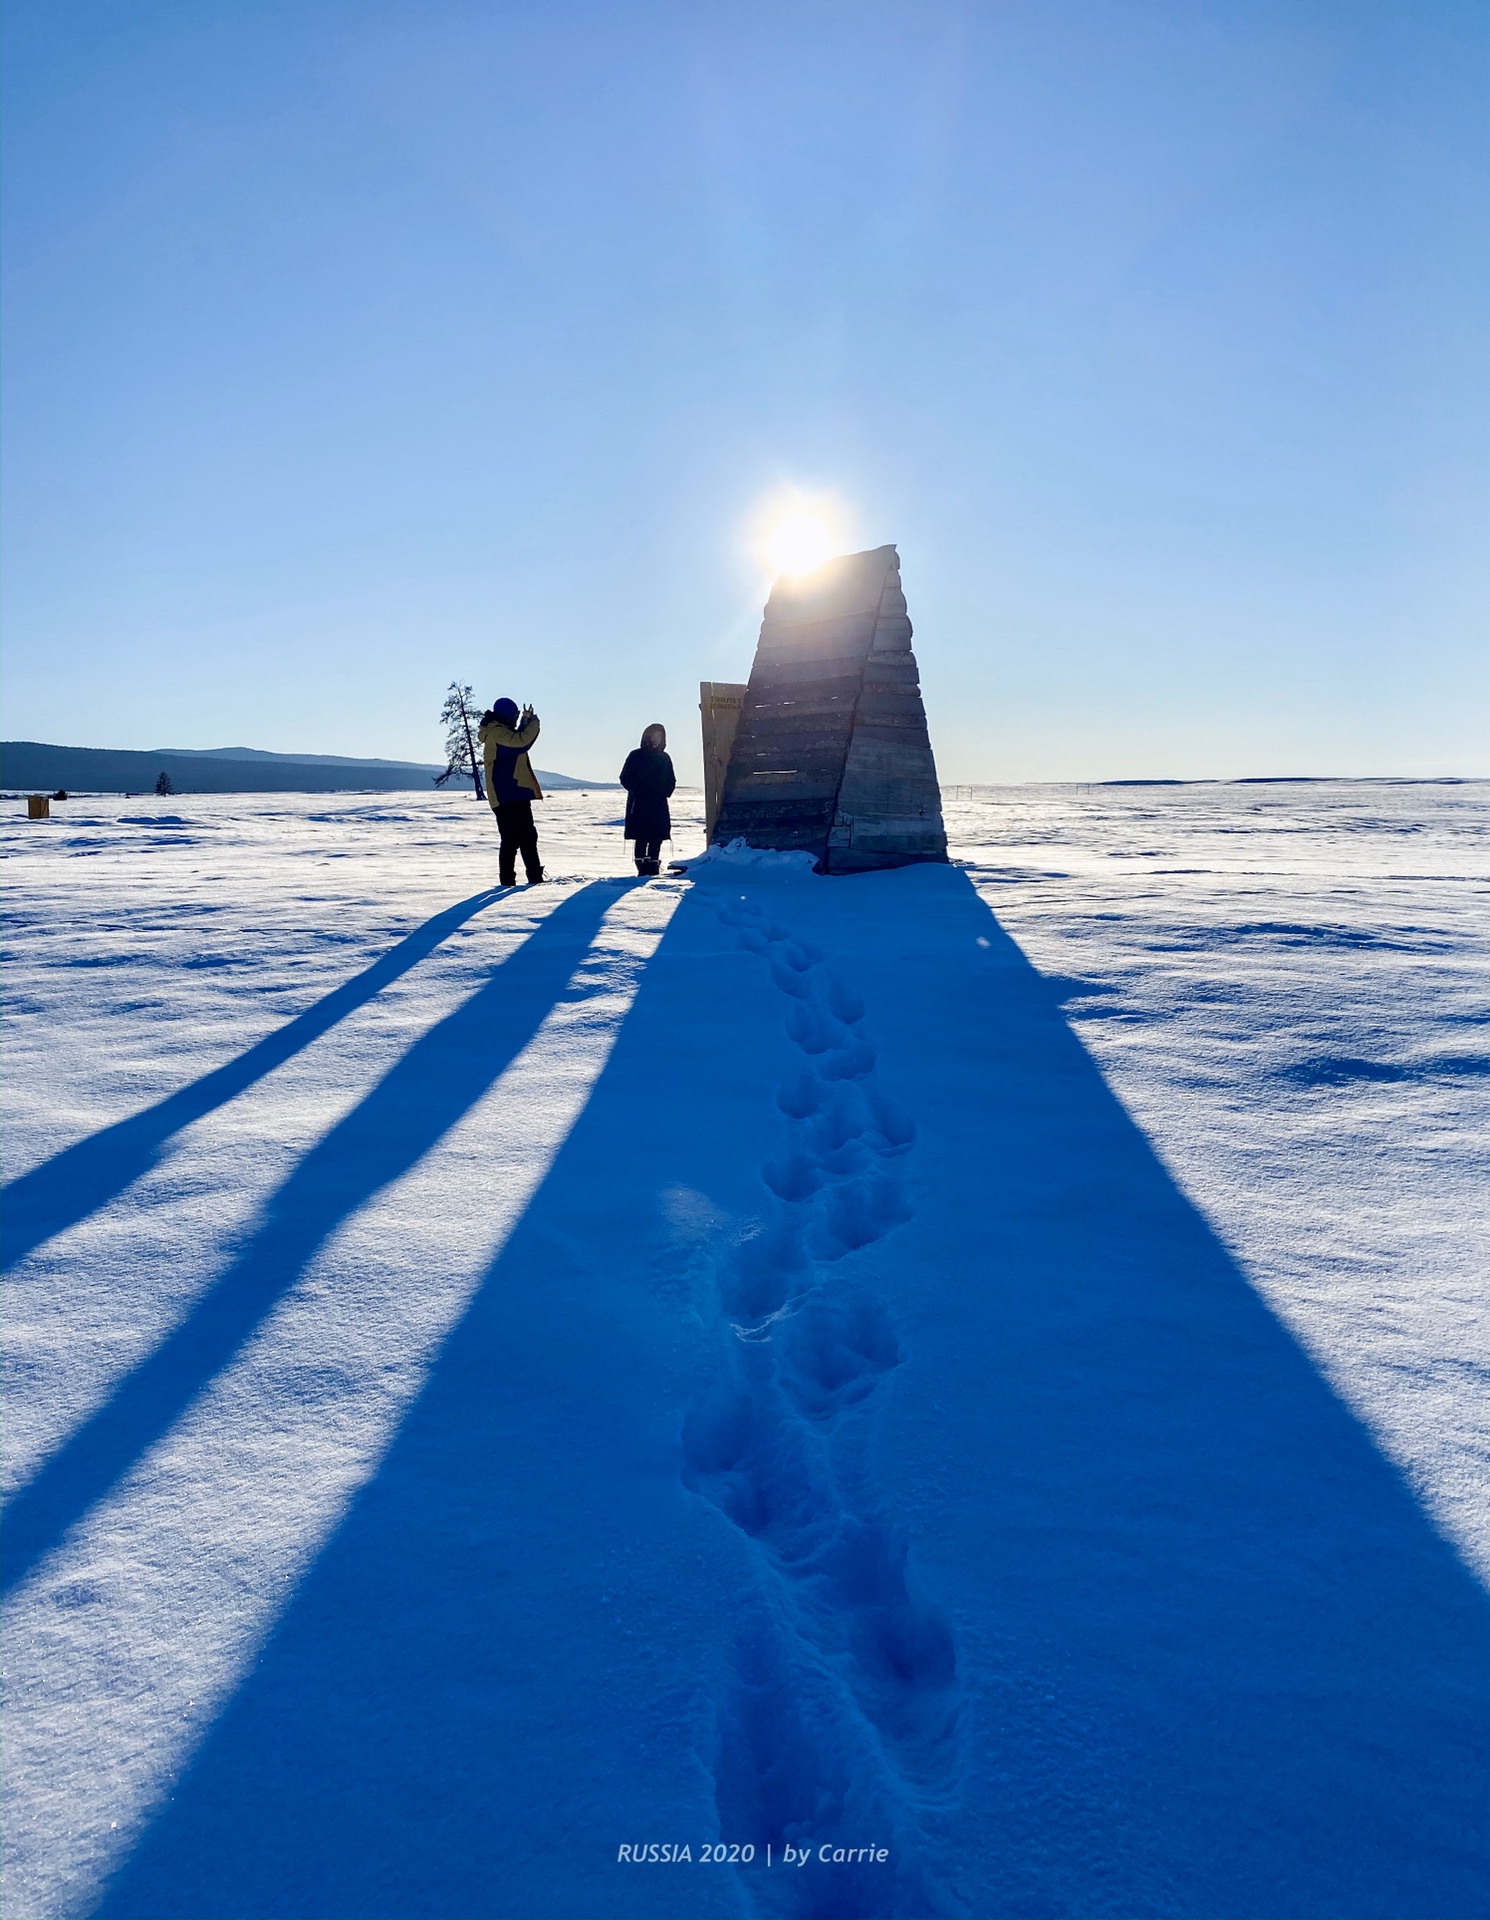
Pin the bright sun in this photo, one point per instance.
(799, 543)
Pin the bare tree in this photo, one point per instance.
(460, 741)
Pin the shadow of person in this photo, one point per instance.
(78, 1181)
(421, 1097)
(1209, 1655)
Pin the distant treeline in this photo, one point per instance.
(34, 765)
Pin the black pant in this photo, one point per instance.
(519, 836)
(649, 853)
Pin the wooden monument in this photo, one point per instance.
(831, 755)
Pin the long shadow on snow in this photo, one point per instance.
(422, 1096)
(1267, 1659)
(82, 1178)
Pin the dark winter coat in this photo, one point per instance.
(648, 778)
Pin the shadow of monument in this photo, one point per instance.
(1205, 1655)
(422, 1096)
(82, 1178)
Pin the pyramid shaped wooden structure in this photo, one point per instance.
(831, 755)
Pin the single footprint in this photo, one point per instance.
(792, 1175)
(813, 1030)
(845, 1003)
(801, 1094)
(857, 1213)
(834, 1353)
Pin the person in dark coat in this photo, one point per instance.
(648, 778)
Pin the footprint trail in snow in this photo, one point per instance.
(842, 1728)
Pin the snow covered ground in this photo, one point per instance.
(985, 1366)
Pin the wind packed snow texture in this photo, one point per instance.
(983, 1363)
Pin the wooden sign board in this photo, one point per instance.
(831, 755)
(719, 702)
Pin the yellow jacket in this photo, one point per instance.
(504, 749)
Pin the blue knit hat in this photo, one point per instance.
(505, 711)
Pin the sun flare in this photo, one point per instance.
(799, 543)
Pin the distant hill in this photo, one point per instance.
(40, 767)
(300, 759)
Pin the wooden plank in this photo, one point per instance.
(719, 703)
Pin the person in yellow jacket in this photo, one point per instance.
(512, 787)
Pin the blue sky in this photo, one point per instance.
(354, 347)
